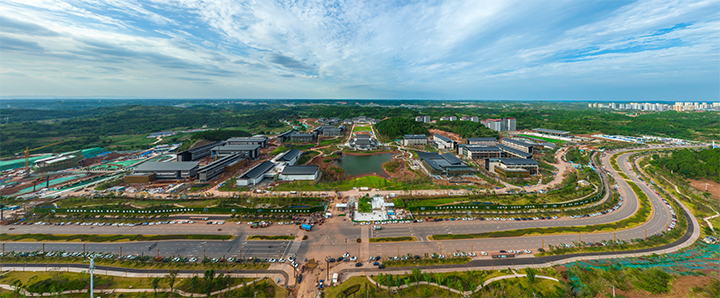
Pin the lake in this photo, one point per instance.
(363, 164)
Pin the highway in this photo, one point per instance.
(330, 239)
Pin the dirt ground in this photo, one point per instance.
(712, 186)
(680, 288)
(453, 136)
(401, 172)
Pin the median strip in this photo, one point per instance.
(641, 216)
(270, 237)
(106, 238)
(393, 239)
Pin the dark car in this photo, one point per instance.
(381, 266)
(299, 278)
(376, 263)
(358, 264)
(502, 251)
(331, 260)
(417, 257)
(377, 258)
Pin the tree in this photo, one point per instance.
(208, 276)
(155, 284)
(172, 274)
(194, 283)
(530, 275)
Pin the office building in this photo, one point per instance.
(254, 140)
(168, 170)
(512, 167)
(415, 140)
(444, 143)
(295, 173)
(482, 141)
(247, 151)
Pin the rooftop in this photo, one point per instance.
(245, 139)
(236, 148)
(167, 166)
(414, 137)
(481, 139)
(300, 170)
(521, 143)
(258, 170)
(514, 151)
(481, 148)
(551, 131)
(290, 154)
(443, 138)
(518, 161)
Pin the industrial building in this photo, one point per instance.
(512, 167)
(168, 170)
(196, 153)
(260, 140)
(294, 173)
(482, 141)
(227, 163)
(443, 142)
(255, 174)
(247, 151)
(414, 140)
(445, 164)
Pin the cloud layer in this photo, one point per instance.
(594, 50)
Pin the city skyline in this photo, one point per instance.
(591, 51)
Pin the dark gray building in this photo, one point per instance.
(303, 137)
(248, 151)
(482, 141)
(197, 152)
(254, 140)
(216, 168)
(168, 170)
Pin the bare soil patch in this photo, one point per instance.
(453, 136)
(680, 288)
(712, 186)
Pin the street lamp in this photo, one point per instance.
(327, 268)
(92, 268)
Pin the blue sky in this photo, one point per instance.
(494, 50)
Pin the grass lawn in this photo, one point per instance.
(114, 282)
(554, 141)
(521, 287)
(365, 205)
(393, 239)
(361, 128)
(273, 237)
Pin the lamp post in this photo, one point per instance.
(92, 269)
(327, 268)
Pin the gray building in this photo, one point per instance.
(168, 170)
(255, 174)
(303, 137)
(247, 151)
(518, 145)
(197, 152)
(412, 140)
(480, 152)
(284, 137)
(443, 142)
(445, 164)
(293, 173)
(289, 157)
(515, 167)
(254, 140)
(482, 141)
(216, 168)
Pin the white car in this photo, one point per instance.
(193, 259)
(291, 259)
(482, 253)
(527, 251)
(346, 255)
(353, 258)
(282, 260)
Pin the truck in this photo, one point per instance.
(306, 227)
(335, 279)
(377, 227)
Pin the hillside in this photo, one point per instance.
(395, 128)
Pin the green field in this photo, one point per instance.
(362, 128)
(271, 237)
(393, 239)
(554, 141)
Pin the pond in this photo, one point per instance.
(363, 164)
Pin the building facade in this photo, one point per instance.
(415, 140)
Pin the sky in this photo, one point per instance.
(475, 49)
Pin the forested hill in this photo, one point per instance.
(395, 128)
(466, 129)
(693, 164)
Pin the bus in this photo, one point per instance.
(502, 255)
(198, 218)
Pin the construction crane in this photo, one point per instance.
(27, 153)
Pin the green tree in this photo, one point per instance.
(172, 275)
(530, 272)
(155, 284)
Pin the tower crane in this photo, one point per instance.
(27, 153)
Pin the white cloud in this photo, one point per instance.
(229, 48)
